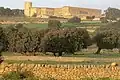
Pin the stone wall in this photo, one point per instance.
(83, 12)
(65, 72)
(66, 11)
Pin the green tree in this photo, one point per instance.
(54, 24)
(112, 13)
(90, 17)
(68, 40)
(108, 37)
(74, 19)
(11, 12)
(103, 20)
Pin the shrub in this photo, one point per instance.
(54, 24)
(23, 40)
(67, 40)
(103, 20)
(74, 20)
(90, 17)
(19, 75)
(2, 40)
(19, 25)
(13, 36)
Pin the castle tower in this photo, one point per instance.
(27, 8)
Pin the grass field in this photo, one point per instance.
(45, 25)
(84, 58)
(58, 62)
(87, 53)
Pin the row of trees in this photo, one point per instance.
(17, 38)
(11, 12)
(56, 40)
(107, 36)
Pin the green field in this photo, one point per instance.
(45, 25)
(87, 54)
(58, 62)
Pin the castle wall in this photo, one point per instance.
(58, 12)
(83, 12)
(46, 12)
(50, 11)
(38, 12)
(33, 11)
(66, 11)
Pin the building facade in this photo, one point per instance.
(66, 11)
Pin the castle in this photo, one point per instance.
(66, 12)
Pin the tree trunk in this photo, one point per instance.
(1, 58)
(98, 51)
(119, 50)
(60, 53)
(54, 54)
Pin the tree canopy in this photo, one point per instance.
(11, 12)
(108, 36)
(112, 13)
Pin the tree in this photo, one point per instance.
(74, 19)
(2, 11)
(68, 40)
(17, 12)
(2, 40)
(90, 17)
(22, 40)
(54, 24)
(112, 13)
(11, 12)
(103, 20)
(108, 37)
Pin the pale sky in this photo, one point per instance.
(99, 4)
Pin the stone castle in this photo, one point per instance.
(66, 11)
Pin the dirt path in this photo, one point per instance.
(62, 59)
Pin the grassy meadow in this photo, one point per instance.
(64, 24)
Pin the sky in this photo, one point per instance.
(98, 4)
